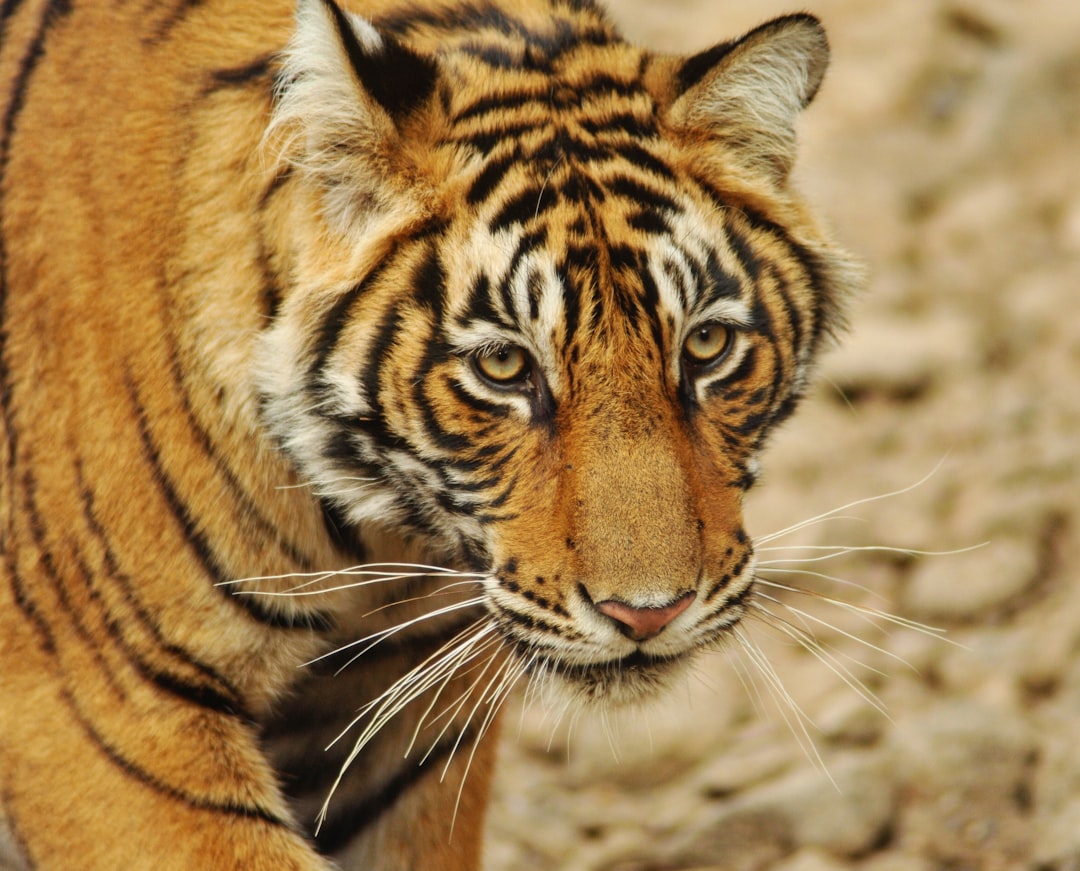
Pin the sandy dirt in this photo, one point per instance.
(944, 148)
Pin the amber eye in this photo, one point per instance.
(504, 365)
(707, 344)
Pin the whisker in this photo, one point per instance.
(299, 592)
(377, 637)
(870, 613)
(318, 485)
(793, 715)
(831, 514)
(479, 701)
(495, 703)
(834, 579)
(823, 654)
(836, 551)
(377, 570)
(452, 666)
(806, 619)
(444, 590)
(418, 680)
(444, 661)
(454, 706)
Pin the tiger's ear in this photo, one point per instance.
(344, 92)
(747, 94)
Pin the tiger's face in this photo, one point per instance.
(566, 307)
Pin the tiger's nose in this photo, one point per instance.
(641, 624)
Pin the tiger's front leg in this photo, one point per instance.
(133, 758)
(104, 768)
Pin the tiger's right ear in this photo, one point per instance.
(343, 93)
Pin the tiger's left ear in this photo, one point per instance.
(344, 93)
(747, 94)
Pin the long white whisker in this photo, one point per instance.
(318, 485)
(444, 590)
(402, 692)
(377, 637)
(798, 719)
(821, 652)
(376, 570)
(843, 550)
(806, 573)
(454, 706)
(467, 695)
(864, 501)
(443, 662)
(870, 613)
(495, 702)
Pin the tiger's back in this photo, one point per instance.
(478, 286)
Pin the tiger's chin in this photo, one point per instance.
(633, 679)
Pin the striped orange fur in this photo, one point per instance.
(466, 300)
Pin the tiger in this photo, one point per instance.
(359, 361)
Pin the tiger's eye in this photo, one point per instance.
(707, 344)
(503, 365)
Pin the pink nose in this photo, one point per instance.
(640, 624)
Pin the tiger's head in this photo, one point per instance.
(552, 295)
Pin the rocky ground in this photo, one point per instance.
(945, 148)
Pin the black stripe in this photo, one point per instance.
(429, 282)
(649, 222)
(652, 307)
(523, 207)
(640, 193)
(695, 68)
(677, 276)
(173, 18)
(476, 403)
(256, 71)
(605, 83)
(27, 605)
(497, 55)
(507, 616)
(450, 442)
(8, 9)
(48, 564)
(742, 372)
(271, 293)
(498, 104)
(248, 507)
(370, 377)
(622, 122)
(636, 154)
(136, 772)
(54, 11)
(199, 544)
(494, 171)
(826, 307)
(571, 303)
(481, 305)
(528, 243)
(339, 315)
(486, 140)
(223, 697)
(719, 284)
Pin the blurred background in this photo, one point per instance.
(944, 149)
